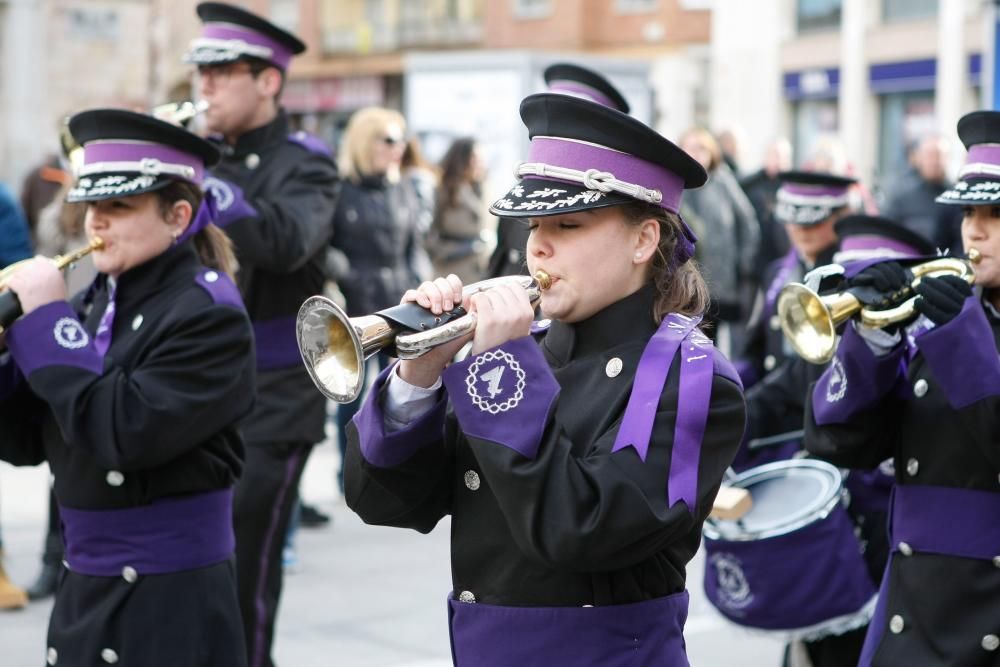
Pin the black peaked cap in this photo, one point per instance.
(220, 12)
(875, 225)
(97, 124)
(979, 127)
(816, 178)
(588, 77)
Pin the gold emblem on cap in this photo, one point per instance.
(614, 367)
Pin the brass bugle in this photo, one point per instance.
(179, 113)
(10, 306)
(810, 321)
(334, 347)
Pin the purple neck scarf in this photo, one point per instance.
(102, 339)
(676, 332)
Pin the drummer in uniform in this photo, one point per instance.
(133, 391)
(929, 396)
(579, 465)
(508, 258)
(808, 204)
(276, 191)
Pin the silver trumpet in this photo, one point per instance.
(334, 347)
(179, 113)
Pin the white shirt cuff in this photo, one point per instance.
(879, 341)
(405, 403)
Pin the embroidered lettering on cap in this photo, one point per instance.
(70, 334)
(221, 191)
(836, 386)
(486, 381)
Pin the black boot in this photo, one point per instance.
(312, 517)
(46, 583)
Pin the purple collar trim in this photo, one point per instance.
(577, 89)
(675, 332)
(148, 154)
(170, 535)
(279, 55)
(207, 212)
(582, 156)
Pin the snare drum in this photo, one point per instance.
(791, 565)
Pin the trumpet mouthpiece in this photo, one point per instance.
(96, 243)
(543, 279)
(974, 256)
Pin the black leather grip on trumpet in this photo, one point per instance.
(10, 309)
(417, 318)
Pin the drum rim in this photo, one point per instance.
(797, 521)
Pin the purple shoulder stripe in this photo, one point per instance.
(310, 142)
(52, 336)
(856, 379)
(387, 450)
(963, 356)
(220, 287)
(504, 395)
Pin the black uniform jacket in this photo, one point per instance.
(576, 524)
(161, 418)
(292, 186)
(775, 402)
(948, 606)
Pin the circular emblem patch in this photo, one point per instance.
(220, 190)
(836, 386)
(70, 334)
(734, 589)
(495, 382)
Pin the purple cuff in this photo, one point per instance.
(10, 378)
(52, 336)
(229, 201)
(963, 356)
(389, 450)
(855, 381)
(504, 395)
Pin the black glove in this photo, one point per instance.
(941, 298)
(881, 285)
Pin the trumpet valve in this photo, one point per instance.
(543, 279)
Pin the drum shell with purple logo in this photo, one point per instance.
(792, 564)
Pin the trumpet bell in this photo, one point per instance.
(809, 321)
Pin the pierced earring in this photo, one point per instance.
(638, 255)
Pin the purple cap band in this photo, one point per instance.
(981, 154)
(280, 55)
(583, 156)
(577, 89)
(137, 151)
(803, 190)
(875, 242)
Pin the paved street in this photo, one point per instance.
(361, 597)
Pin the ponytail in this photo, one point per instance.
(214, 247)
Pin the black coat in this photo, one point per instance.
(156, 419)
(947, 604)
(509, 257)
(377, 234)
(292, 185)
(575, 525)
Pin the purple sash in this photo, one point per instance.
(643, 633)
(675, 332)
(170, 535)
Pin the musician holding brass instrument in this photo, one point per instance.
(276, 191)
(916, 377)
(577, 457)
(132, 391)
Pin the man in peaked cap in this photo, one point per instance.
(276, 193)
(566, 79)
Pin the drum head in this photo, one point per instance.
(786, 496)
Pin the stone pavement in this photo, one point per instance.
(361, 596)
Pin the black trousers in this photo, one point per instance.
(54, 550)
(265, 496)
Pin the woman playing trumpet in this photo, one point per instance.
(928, 395)
(132, 391)
(577, 461)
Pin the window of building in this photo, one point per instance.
(636, 6)
(817, 14)
(532, 9)
(906, 10)
(904, 118)
(816, 121)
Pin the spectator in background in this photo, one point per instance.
(15, 241)
(40, 188)
(729, 237)
(761, 188)
(729, 144)
(374, 255)
(455, 243)
(422, 178)
(910, 199)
